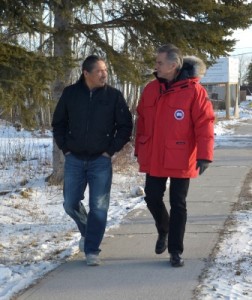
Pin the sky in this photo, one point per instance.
(244, 42)
(36, 235)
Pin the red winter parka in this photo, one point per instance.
(175, 125)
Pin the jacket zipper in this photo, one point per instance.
(88, 115)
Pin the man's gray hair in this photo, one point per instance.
(173, 54)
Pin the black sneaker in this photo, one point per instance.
(176, 260)
(161, 243)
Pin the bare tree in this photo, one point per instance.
(244, 61)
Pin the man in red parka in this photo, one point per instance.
(175, 139)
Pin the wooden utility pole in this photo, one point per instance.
(236, 107)
(227, 100)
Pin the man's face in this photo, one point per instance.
(98, 76)
(165, 69)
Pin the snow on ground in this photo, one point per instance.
(229, 275)
(36, 235)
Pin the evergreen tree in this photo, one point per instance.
(249, 75)
(25, 79)
(201, 28)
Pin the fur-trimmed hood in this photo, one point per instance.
(192, 67)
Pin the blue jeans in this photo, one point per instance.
(97, 174)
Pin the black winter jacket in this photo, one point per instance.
(89, 123)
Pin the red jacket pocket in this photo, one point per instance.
(144, 149)
(176, 154)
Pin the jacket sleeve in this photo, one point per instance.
(123, 126)
(203, 119)
(60, 122)
(139, 123)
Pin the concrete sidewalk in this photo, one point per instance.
(131, 269)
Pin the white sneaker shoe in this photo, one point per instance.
(81, 244)
(93, 260)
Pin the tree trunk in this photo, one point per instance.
(56, 177)
(62, 49)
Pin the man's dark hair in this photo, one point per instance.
(90, 61)
(173, 54)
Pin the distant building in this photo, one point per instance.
(221, 77)
(225, 70)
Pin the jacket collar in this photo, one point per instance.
(81, 82)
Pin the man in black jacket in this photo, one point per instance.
(90, 123)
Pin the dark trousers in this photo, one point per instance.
(175, 223)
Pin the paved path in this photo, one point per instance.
(131, 270)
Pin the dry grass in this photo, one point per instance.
(124, 161)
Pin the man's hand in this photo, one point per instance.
(202, 165)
